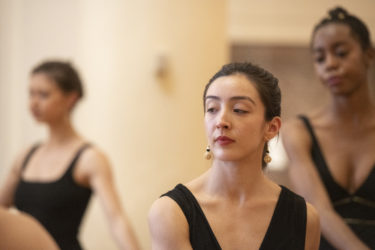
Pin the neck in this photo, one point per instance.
(352, 108)
(61, 132)
(236, 180)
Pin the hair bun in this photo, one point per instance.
(338, 13)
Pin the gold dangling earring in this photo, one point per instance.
(267, 158)
(208, 154)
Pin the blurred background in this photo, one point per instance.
(144, 65)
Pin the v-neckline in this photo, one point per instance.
(266, 235)
(326, 166)
(356, 191)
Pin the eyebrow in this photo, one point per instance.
(232, 98)
(335, 45)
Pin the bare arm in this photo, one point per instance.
(10, 184)
(312, 229)
(168, 226)
(306, 181)
(101, 181)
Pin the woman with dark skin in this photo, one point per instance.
(332, 150)
(234, 205)
(53, 180)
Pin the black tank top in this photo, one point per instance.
(58, 205)
(357, 209)
(286, 230)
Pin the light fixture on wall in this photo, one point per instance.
(161, 65)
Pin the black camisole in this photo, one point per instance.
(286, 231)
(357, 209)
(58, 205)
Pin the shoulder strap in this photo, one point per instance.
(201, 234)
(28, 156)
(77, 155)
(185, 200)
(329, 182)
(309, 127)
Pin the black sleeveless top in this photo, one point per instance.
(58, 205)
(286, 230)
(357, 209)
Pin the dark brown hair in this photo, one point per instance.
(265, 83)
(63, 74)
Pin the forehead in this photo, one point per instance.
(331, 35)
(42, 80)
(233, 85)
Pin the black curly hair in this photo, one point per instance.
(357, 27)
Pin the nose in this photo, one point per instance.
(223, 121)
(331, 62)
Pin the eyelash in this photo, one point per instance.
(240, 111)
(210, 110)
(339, 53)
(319, 59)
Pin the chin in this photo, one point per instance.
(226, 157)
(39, 119)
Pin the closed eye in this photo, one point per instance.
(210, 110)
(240, 111)
(341, 54)
(319, 59)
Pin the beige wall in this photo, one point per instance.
(288, 21)
(150, 127)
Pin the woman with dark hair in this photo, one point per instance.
(233, 205)
(332, 150)
(53, 180)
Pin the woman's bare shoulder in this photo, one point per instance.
(21, 156)
(168, 225)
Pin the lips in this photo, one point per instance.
(334, 80)
(223, 140)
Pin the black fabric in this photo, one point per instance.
(58, 205)
(358, 208)
(286, 230)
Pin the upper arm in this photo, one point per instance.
(302, 171)
(312, 228)
(95, 167)
(10, 184)
(168, 226)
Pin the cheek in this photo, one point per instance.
(209, 127)
(318, 69)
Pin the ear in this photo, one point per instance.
(369, 56)
(71, 99)
(272, 128)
